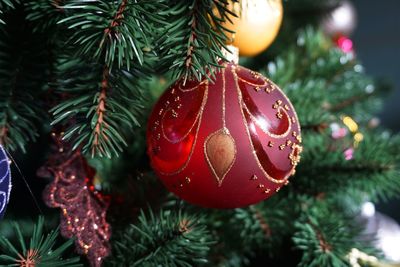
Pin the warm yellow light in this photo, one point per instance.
(350, 123)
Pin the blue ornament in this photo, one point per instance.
(5, 181)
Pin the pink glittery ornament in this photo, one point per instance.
(83, 209)
(345, 44)
(337, 131)
(349, 153)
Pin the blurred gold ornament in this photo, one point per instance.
(256, 26)
(353, 128)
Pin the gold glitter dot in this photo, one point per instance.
(257, 88)
(267, 191)
(286, 107)
(275, 106)
(294, 133)
(279, 115)
(286, 182)
(281, 147)
(260, 186)
(270, 144)
(187, 180)
(160, 112)
(254, 177)
(293, 120)
(288, 142)
(277, 190)
(279, 102)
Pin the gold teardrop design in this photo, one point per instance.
(220, 152)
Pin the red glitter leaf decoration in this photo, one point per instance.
(83, 210)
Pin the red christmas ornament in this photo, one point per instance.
(227, 143)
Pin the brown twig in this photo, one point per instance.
(325, 246)
(115, 22)
(263, 224)
(315, 127)
(347, 102)
(100, 110)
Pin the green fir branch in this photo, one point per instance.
(262, 225)
(40, 251)
(324, 81)
(45, 14)
(373, 171)
(191, 47)
(23, 65)
(4, 6)
(326, 237)
(113, 31)
(169, 239)
(100, 107)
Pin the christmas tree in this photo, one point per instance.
(91, 137)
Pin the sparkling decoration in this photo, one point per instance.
(226, 143)
(345, 44)
(256, 26)
(5, 181)
(340, 132)
(83, 209)
(341, 21)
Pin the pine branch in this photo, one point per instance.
(111, 31)
(373, 171)
(262, 226)
(100, 107)
(4, 6)
(170, 239)
(23, 66)
(192, 44)
(331, 82)
(45, 14)
(39, 252)
(326, 237)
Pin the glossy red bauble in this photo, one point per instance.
(227, 143)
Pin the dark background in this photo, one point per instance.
(377, 44)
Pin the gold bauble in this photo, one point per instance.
(256, 26)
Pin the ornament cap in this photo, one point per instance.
(232, 54)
